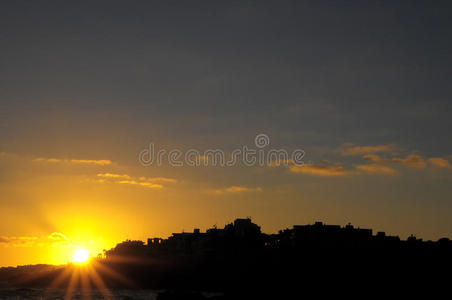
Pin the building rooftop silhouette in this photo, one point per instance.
(243, 237)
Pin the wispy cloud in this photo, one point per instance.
(158, 179)
(142, 183)
(58, 236)
(383, 160)
(101, 162)
(55, 239)
(319, 170)
(281, 162)
(58, 239)
(111, 175)
(376, 169)
(18, 241)
(148, 182)
(350, 150)
(440, 162)
(412, 160)
(235, 189)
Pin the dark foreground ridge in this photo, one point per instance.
(241, 260)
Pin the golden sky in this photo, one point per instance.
(55, 205)
(85, 86)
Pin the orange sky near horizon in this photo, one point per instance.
(57, 205)
(362, 87)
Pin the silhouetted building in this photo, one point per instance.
(243, 238)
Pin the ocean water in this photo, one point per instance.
(26, 293)
(53, 294)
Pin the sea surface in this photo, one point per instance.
(26, 293)
(53, 294)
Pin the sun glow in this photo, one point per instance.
(80, 256)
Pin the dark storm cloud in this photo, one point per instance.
(314, 73)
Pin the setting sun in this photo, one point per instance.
(80, 256)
